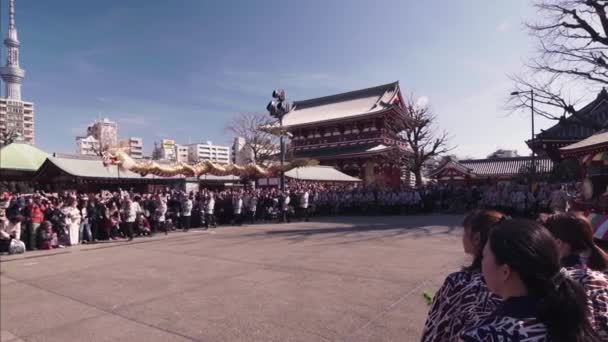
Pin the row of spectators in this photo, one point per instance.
(45, 221)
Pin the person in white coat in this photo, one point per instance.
(160, 212)
(72, 217)
(303, 204)
(237, 206)
(187, 205)
(252, 206)
(286, 200)
(209, 211)
(130, 211)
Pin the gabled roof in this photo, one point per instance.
(345, 105)
(319, 173)
(21, 157)
(451, 164)
(494, 167)
(87, 168)
(506, 166)
(94, 168)
(572, 129)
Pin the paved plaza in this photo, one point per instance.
(335, 279)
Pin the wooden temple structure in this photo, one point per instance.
(356, 132)
(488, 171)
(590, 119)
(592, 154)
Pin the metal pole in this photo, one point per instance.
(282, 142)
(533, 153)
(532, 113)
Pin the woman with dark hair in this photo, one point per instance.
(521, 265)
(585, 263)
(464, 298)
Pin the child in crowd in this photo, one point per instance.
(48, 238)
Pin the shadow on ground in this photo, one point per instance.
(366, 229)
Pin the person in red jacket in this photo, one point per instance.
(35, 212)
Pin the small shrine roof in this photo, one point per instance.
(595, 141)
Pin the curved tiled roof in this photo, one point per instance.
(595, 141)
(572, 129)
(344, 105)
(506, 166)
(22, 157)
(494, 167)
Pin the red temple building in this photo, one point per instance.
(356, 132)
(589, 120)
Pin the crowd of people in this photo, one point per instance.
(46, 221)
(530, 280)
(543, 280)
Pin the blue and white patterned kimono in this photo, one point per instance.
(461, 302)
(514, 321)
(596, 288)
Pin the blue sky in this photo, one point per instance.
(182, 68)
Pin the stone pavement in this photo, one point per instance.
(338, 279)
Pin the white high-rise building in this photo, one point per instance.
(87, 146)
(100, 135)
(208, 151)
(241, 154)
(16, 115)
(167, 150)
(134, 147)
(181, 153)
(106, 131)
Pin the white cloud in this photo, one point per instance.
(134, 120)
(422, 101)
(504, 26)
(78, 130)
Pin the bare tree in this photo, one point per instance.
(8, 137)
(262, 144)
(423, 138)
(572, 45)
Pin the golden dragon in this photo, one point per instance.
(117, 156)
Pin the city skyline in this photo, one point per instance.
(182, 72)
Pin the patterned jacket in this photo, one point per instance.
(596, 287)
(462, 301)
(515, 320)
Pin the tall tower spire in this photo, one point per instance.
(12, 74)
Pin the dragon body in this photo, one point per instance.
(125, 162)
